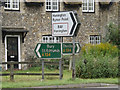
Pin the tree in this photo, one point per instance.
(113, 34)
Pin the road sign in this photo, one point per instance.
(48, 50)
(67, 48)
(64, 23)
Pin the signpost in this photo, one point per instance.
(48, 50)
(67, 48)
(64, 23)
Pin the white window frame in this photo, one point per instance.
(94, 40)
(51, 5)
(19, 56)
(53, 39)
(11, 5)
(88, 2)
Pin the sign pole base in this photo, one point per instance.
(60, 69)
(73, 60)
(42, 69)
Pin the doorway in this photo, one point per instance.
(12, 50)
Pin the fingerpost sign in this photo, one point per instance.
(64, 23)
(48, 50)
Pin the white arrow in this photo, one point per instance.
(37, 50)
(78, 48)
(75, 23)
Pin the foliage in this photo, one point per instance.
(113, 34)
(100, 49)
(98, 61)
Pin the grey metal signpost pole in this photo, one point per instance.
(60, 68)
(73, 69)
(42, 69)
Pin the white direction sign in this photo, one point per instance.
(64, 23)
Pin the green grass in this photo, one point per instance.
(36, 81)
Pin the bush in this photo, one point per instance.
(113, 34)
(98, 61)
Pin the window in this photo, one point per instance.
(51, 39)
(11, 4)
(52, 5)
(88, 6)
(94, 39)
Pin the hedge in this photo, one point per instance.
(98, 61)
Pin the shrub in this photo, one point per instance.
(113, 34)
(100, 49)
(98, 61)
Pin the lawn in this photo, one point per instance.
(35, 81)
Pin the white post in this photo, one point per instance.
(70, 63)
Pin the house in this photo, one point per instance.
(24, 23)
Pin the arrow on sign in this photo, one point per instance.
(37, 50)
(74, 23)
(78, 47)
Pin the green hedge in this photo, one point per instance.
(98, 61)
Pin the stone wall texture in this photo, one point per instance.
(38, 22)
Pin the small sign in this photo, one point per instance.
(48, 50)
(64, 23)
(67, 48)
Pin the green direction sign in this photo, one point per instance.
(48, 50)
(67, 48)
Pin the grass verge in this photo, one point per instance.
(36, 81)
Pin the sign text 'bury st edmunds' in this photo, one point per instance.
(48, 50)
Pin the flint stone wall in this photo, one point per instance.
(38, 22)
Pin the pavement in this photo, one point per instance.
(92, 85)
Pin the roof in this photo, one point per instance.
(13, 29)
(8, 30)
